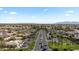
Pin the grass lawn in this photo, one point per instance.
(63, 46)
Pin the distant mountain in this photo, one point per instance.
(67, 22)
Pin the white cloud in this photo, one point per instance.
(67, 14)
(70, 11)
(33, 16)
(13, 13)
(5, 11)
(10, 18)
(1, 8)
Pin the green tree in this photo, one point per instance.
(2, 43)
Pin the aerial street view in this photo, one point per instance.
(39, 29)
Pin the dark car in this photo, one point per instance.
(40, 43)
(44, 49)
(45, 45)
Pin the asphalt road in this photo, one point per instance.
(41, 42)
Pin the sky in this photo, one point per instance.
(38, 14)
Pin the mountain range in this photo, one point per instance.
(67, 22)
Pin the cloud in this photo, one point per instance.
(13, 13)
(1, 8)
(69, 13)
(33, 16)
(5, 11)
(10, 18)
